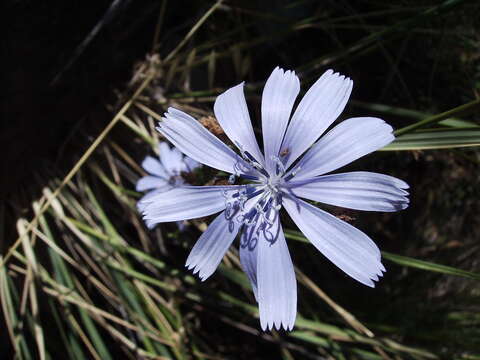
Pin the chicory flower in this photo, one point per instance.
(279, 177)
(164, 174)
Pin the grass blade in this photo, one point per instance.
(403, 260)
(436, 139)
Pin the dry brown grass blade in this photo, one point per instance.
(131, 345)
(349, 318)
(7, 307)
(158, 26)
(148, 111)
(68, 297)
(193, 31)
(76, 326)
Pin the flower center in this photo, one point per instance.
(260, 201)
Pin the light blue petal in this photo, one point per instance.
(232, 114)
(358, 190)
(319, 108)
(150, 224)
(144, 200)
(210, 248)
(191, 138)
(151, 182)
(347, 247)
(184, 203)
(346, 142)
(171, 158)
(248, 255)
(154, 167)
(277, 286)
(279, 94)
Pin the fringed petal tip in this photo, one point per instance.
(278, 324)
(196, 270)
(283, 72)
(278, 98)
(208, 251)
(171, 111)
(374, 276)
(402, 185)
(317, 110)
(141, 206)
(277, 286)
(150, 224)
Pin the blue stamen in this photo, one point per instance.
(249, 177)
(250, 157)
(292, 174)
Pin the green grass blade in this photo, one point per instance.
(461, 110)
(436, 139)
(429, 266)
(403, 260)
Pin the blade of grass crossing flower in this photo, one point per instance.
(429, 266)
(436, 139)
(413, 114)
(458, 123)
(461, 110)
(390, 110)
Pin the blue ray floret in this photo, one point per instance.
(294, 164)
(164, 173)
